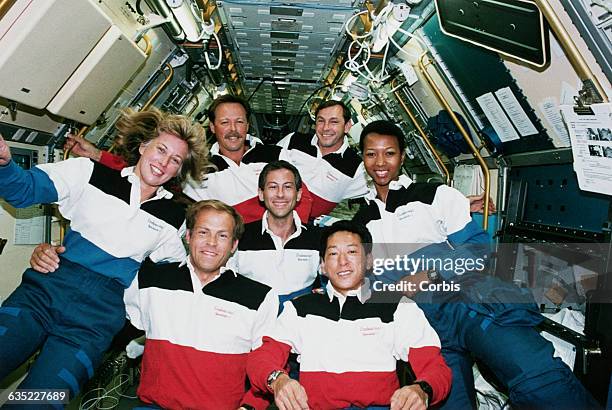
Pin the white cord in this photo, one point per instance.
(402, 50)
(220, 56)
(414, 36)
(94, 402)
(348, 23)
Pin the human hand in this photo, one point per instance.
(78, 145)
(410, 397)
(5, 152)
(289, 394)
(45, 258)
(477, 203)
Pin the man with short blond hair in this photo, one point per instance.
(201, 319)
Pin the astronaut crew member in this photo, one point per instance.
(501, 335)
(201, 319)
(118, 218)
(329, 166)
(279, 250)
(348, 343)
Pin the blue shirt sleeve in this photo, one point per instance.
(22, 188)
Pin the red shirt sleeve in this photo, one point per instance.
(271, 355)
(112, 161)
(304, 206)
(257, 400)
(429, 365)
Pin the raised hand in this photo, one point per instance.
(78, 145)
(5, 152)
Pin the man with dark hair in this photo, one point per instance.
(348, 345)
(200, 318)
(117, 220)
(488, 320)
(275, 166)
(239, 158)
(227, 99)
(279, 250)
(346, 113)
(331, 169)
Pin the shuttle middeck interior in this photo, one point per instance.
(508, 100)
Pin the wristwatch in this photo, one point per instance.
(272, 378)
(426, 387)
(432, 275)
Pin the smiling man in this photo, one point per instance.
(201, 320)
(117, 219)
(347, 343)
(239, 158)
(331, 169)
(279, 250)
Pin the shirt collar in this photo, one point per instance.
(250, 139)
(194, 277)
(403, 182)
(296, 220)
(132, 177)
(363, 292)
(345, 144)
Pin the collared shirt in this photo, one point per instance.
(315, 143)
(135, 193)
(278, 241)
(236, 184)
(286, 267)
(414, 213)
(198, 337)
(343, 342)
(363, 292)
(251, 141)
(111, 230)
(195, 279)
(331, 177)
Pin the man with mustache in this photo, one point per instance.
(239, 158)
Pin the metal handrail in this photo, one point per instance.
(466, 137)
(422, 133)
(573, 54)
(161, 87)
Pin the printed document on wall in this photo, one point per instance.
(591, 138)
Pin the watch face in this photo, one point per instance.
(174, 3)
